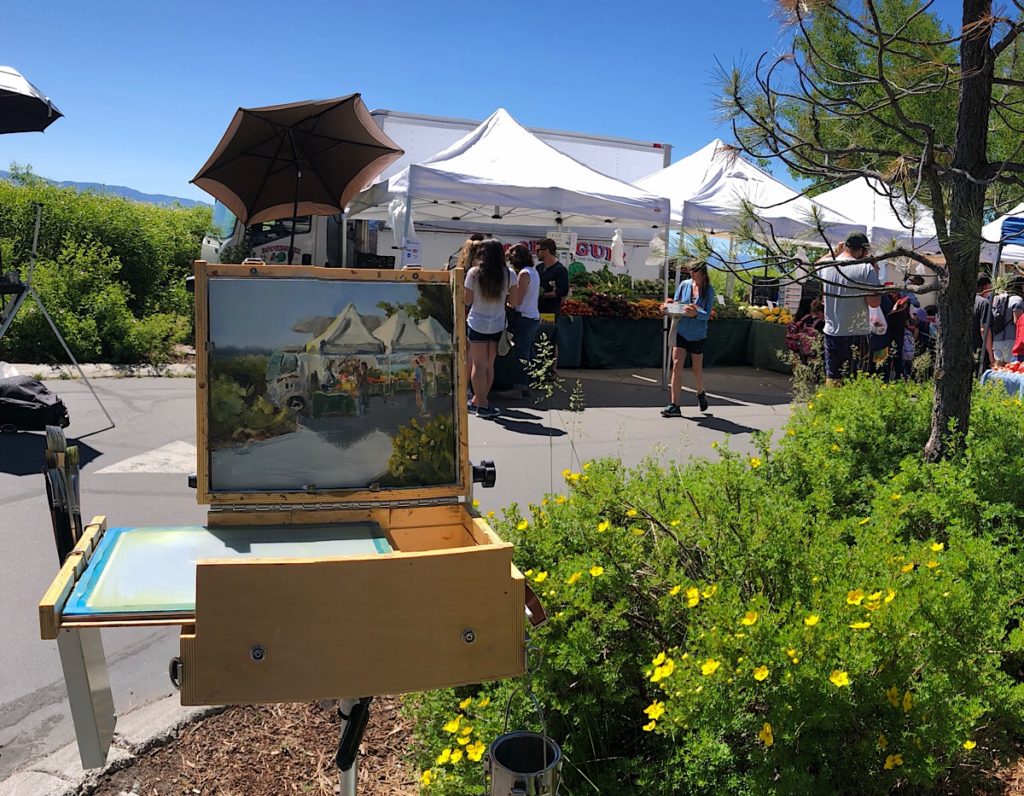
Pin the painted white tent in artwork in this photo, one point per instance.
(707, 189)
(346, 335)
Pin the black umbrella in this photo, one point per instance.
(305, 158)
(23, 107)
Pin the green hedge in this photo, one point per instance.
(110, 271)
(830, 616)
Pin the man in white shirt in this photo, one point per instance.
(847, 293)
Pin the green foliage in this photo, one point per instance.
(830, 616)
(239, 408)
(423, 453)
(130, 261)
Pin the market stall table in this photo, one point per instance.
(1013, 382)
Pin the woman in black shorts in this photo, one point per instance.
(697, 297)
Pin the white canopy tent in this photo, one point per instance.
(501, 174)
(888, 219)
(707, 188)
(1005, 230)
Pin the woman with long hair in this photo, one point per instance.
(527, 319)
(490, 284)
(698, 298)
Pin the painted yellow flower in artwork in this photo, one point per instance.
(765, 735)
(839, 678)
(709, 667)
(761, 673)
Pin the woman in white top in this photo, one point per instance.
(524, 329)
(489, 285)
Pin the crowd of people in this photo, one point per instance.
(507, 294)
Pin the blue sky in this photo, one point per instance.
(148, 88)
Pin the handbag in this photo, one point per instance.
(505, 343)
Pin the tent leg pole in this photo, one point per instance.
(407, 221)
(344, 239)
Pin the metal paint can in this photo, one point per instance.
(524, 764)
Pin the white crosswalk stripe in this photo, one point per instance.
(175, 457)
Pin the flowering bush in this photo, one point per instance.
(831, 615)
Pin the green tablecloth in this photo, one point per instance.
(621, 343)
(728, 340)
(570, 341)
(764, 344)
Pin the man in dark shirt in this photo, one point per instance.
(982, 321)
(554, 279)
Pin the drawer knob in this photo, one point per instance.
(257, 654)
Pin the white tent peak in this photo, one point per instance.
(867, 201)
(500, 173)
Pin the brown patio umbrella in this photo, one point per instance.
(304, 158)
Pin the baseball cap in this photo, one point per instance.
(858, 240)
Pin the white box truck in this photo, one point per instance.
(318, 239)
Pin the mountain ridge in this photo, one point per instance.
(121, 190)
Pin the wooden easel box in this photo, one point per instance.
(445, 608)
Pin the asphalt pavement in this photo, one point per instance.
(135, 473)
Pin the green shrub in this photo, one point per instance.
(754, 625)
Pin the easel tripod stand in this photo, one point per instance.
(13, 294)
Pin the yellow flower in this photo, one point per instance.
(523, 525)
(475, 751)
(630, 512)
(574, 477)
(655, 710)
(456, 756)
(659, 659)
(791, 652)
(839, 678)
(444, 757)
(596, 571)
(453, 725)
(638, 532)
(560, 500)
(490, 515)
(811, 620)
(427, 777)
(969, 745)
(749, 618)
(484, 702)
(893, 695)
(674, 590)
(714, 446)
(649, 726)
(839, 429)
(895, 496)
(709, 592)
(765, 735)
(883, 742)
(575, 576)
(810, 404)
(864, 521)
(709, 667)
(908, 567)
(932, 564)
(791, 433)
(463, 740)
(476, 504)
(467, 729)
(908, 702)
(890, 595)
(664, 671)
(938, 547)
(892, 761)
(602, 526)
(860, 625)
(692, 596)
(566, 473)
(540, 577)
(754, 462)
(875, 596)
(873, 606)
(587, 465)
(528, 572)
(855, 596)
(761, 673)
(465, 703)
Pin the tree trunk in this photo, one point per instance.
(954, 371)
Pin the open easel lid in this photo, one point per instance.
(329, 386)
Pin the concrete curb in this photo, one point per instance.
(138, 732)
(101, 371)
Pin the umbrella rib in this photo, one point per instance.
(270, 171)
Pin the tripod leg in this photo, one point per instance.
(71, 356)
(354, 714)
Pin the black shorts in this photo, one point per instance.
(691, 346)
(481, 337)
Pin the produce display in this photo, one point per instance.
(1010, 367)
(770, 314)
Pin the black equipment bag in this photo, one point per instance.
(27, 405)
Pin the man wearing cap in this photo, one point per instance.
(981, 323)
(847, 293)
